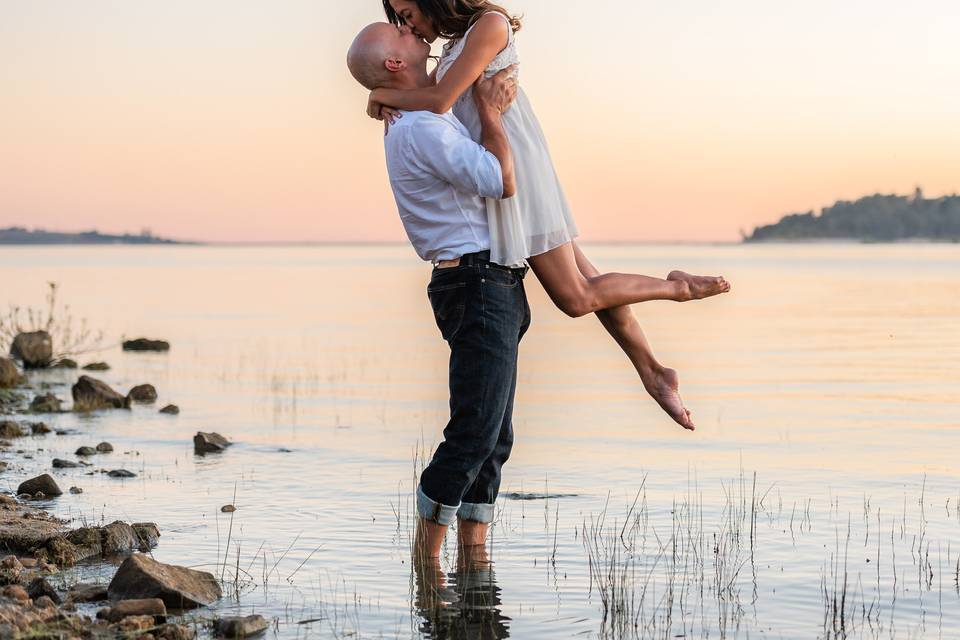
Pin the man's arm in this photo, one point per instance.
(493, 97)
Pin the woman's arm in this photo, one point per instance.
(487, 39)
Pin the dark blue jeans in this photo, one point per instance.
(482, 312)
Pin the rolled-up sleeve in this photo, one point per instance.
(449, 154)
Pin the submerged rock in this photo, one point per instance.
(96, 366)
(227, 508)
(34, 349)
(9, 374)
(85, 451)
(144, 393)
(90, 394)
(47, 403)
(171, 410)
(65, 363)
(179, 587)
(41, 484)
(59, 463)
(76, 490)
(121, 473)
(237, 627)
(209, 443)
(105, 447)
(145, 344)
(87, 592)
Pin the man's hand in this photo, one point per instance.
(497, 93)
(379, 111)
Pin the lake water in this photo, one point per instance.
(819, 497)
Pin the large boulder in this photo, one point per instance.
(144, 393)
(33, 349)
(9, 375)
(145, 344)
(44, 484)
(47, 403)
(90, 393)
(179, 587)
(209, 443)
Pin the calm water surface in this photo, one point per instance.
(820, 496)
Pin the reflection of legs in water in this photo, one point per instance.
(464, 604)
(660, 382)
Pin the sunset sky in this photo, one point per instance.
(235, 120)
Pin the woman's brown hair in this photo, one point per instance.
(452, 18)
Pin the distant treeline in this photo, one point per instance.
(19, 235)
(876, 218)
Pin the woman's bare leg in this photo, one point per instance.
(577, 295)
(660, 382)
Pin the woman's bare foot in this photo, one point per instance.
(698, 287)
(664, 387)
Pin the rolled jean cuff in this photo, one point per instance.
(432, 510)
(482, 513)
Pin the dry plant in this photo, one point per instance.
(71, 336)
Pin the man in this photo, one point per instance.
(440, 178)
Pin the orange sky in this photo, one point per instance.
(236, 120)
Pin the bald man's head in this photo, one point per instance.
(383, 51)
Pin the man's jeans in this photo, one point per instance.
(482, 312)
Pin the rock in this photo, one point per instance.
(96, 366)
(9, 374)
(141, 607)
(16, 592)
(87, 592)
(10, 429)
(85, 451)
(90, 393)
(236, 627)
(105, 447)
(47, 403)
(117, 538)
(44, 602)
(144, 393)
(179, 587)
(34, 349)
(29, 563)
(3, 466)
(228, 508)
(145, 344)
(171, 410)
(65, 363)
(121, 473)
(39, 428)
(59, 463)
(40, 587)
(148, 534)
(209, 443)
(43, 483)
(12, 563)
(76, 490)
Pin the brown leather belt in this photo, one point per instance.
(448, 264)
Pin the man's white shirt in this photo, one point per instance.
(440, 178)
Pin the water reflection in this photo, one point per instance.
(462, 605)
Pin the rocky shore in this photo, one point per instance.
(144, 598)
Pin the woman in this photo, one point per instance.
(536, 225)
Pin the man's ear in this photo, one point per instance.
(394, 64)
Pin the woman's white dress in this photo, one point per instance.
(538, 218)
